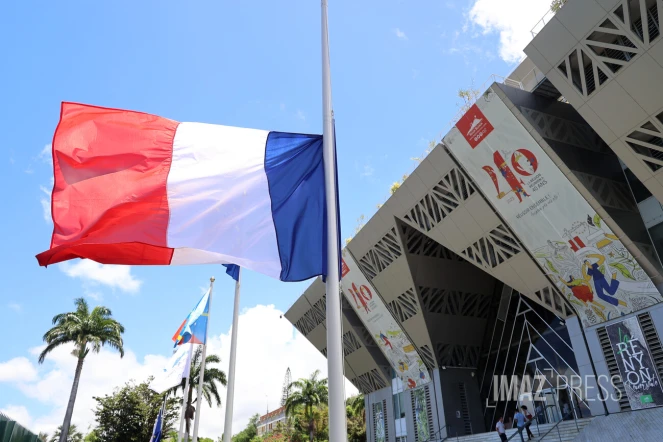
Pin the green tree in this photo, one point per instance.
(92, 436)
(73, 436)
(43, 436)
(556, 5)
(356, 418)
(360, 224)
(357, 405)
(308, 393)
(87, 331)
(251, 430)
(212, 376)
(468, 97)
(128, 415)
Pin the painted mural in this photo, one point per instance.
(394, 343)
(573, 245)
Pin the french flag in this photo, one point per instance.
(134, 188)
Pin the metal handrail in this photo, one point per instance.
(552, 428)
(543, 20)
(432, 437)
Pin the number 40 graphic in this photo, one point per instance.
(515, 183)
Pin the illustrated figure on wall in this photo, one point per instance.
(581, 289)
(604, 290)
(364, 303)
(385, 341)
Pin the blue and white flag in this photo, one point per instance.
(157, 432)
(194, 328)
(176, 368)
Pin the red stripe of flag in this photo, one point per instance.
(109, 199)
(179, 331)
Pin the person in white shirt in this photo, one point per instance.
(500, 429)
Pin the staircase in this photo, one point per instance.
(567, 433)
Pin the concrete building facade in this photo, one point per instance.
(459, 275)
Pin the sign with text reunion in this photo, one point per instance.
(377, 319)
(636, 367)
(570, 241)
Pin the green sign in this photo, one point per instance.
(646, 399)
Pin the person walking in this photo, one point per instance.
(519, 420)
(499, 427)
(528, 417)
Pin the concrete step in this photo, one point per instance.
(567, 432)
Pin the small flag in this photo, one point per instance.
(176, 368)
(232, 270)
(138, 189)
(194, 328)
(157, 432)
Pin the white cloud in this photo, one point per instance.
(19, 413)
(94, 295)
(93, 273)
(267, 346)
(45, 201)
(17, 370)
(368, 171)
(400, 34)
(15, 306)
(301, 115)
(46, 154)
(512, 19)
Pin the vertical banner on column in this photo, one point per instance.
(378, 423)
(377, 319)
(421, 414)
(636, 366)
(570, 241)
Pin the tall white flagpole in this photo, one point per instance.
(337, 423)
(201, 378)
(230, 388)
(186, 393)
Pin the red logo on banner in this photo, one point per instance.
(344, 268)
(474, 126)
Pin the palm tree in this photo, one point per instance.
(87, 331)
(309, 393)
(43, 436)
(210, 391)
(357, 405)
(73, 436)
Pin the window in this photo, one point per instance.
(399, 409)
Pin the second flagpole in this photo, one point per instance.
(230, 392)
(337, 423)
(201, 377)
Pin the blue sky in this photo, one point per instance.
(396, 68)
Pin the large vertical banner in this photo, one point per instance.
(377, 319)
(378, 416)
(578, 251)
(636, 366)
(421, 414)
